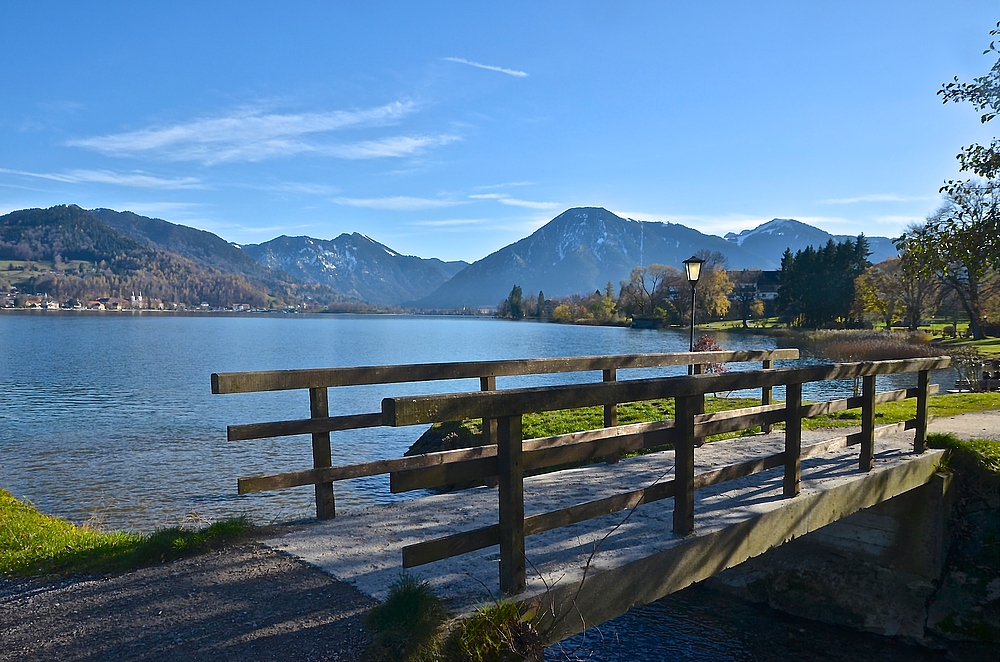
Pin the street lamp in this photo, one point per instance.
(692, 269)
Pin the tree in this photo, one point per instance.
(514, 302)
(540, 310)
(817, 286)
(879, 290)
(984, 95)
(959, 244)
(645, 290)
(919, 293)
(713, 291)
(748, 304)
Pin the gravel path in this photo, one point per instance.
(245, 602)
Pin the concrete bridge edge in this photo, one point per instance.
(567, 610)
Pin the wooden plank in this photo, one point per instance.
(470, 541)
(765, 394)
(843, 404)
(319, 407)
(923, 390)
(611, 413)
(867, 460)
(489, 424)
(793, 441)
(539, 453)
(346, 472)
(302, 426)
(449, 546)
(278, 380)
(510, 478)
(734, 471)
(684, 465)
(414, 410)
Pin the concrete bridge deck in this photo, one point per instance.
(622, 559)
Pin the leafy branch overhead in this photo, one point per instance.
(959, 244)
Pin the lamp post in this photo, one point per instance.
(692, 269)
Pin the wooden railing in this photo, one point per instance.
(512, 456)
(435, 469)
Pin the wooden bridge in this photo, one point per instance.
(582, 545)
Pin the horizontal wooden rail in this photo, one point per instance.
(280, 380)
(469, 541)
(302, 426)
(416, 410)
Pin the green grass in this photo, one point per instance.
(32, 543)
(590, 418)
(986, 346)
(949, 404)
(408, 625)
(984, 453)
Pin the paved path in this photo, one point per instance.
(982, 425)
(364, 547)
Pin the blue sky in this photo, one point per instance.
(452, 129)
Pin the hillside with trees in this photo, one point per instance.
(91, 259)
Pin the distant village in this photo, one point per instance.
(136, 301)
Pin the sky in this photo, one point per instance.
(451, 129)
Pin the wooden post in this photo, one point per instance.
(793, 440)
(765, 396)
(867, 423)
(611, 414)
(684, 413)
(510, 468)
(319, 407)
(923, 390)
(489, 425)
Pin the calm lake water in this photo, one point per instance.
(110, 417)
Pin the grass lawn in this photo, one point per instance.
(591, 418)
(986, 346)
(32, 543)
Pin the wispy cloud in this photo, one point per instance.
(490, 187)
(880, 197)
(398, 203)
(253, 134)
(490, 67)
(302, 188)
(395, 146)
(505, 199)
(136, 179)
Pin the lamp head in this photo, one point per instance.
(692, 268)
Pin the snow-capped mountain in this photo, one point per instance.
(769, 240)
(578, 252)
(355, 265)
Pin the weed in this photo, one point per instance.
(408, 624)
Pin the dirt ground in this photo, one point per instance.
(245, 602)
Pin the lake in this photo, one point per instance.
(109, 418)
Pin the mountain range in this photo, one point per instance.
(579, 251)
(582, 249)
(355, 265)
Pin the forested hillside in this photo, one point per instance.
(91, 259)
